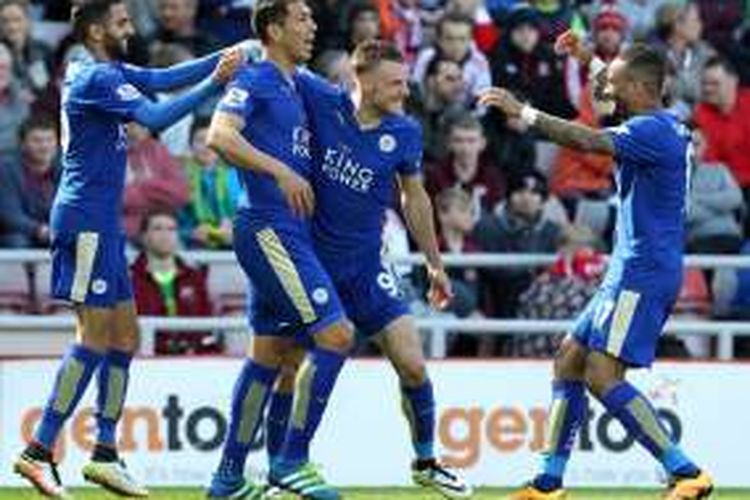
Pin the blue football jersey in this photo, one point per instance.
(654, 162)
(97, 102)
(354, 173)
(275, 123)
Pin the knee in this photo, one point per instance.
(128, 342)
(570, 360)
(413, 373)
(601, 374)
(93, 339)
(287, 374)
(338, 337)
(286, 378)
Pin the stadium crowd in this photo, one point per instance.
(496, 186)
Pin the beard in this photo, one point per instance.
(117, 49)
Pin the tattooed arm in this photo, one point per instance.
(566, 133)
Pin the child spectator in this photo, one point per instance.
(165, 285)
(206, 221)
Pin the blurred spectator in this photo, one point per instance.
(509, 144)
(720, 20)
(715, 202)
(528, 68)
(333, 20)
(435, 102)
(144, 14)
(640, 14)
(456, 218)
(363, 25)
(225, 20)
(518, 226)
(154, 179)
(165, 285)
(561, 292)
(336, 67)
(580, 175)
(177, 24)
(486, 33)
(14, 106)
(27, 186)
(556, 16)
(679, 28)
(401, 23)
(467, 168)
(609, 34)
(534, 73)
(722, 116)
(32, 59)
(455, 42)
(739, 53)
(176, 137)
(206, 221)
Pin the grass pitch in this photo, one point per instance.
(384, 494)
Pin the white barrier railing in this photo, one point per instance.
(452, 260)
(438, 328)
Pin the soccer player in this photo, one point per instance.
(100, 95)
(360, 152)
(261, 128)
(620, 327)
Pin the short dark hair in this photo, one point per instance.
(647, 65)
(721, 62)
(36, 122)
(369, 54)
(268, 12)
(153, 214)
(360, 7)
(90, 12)
(433, 67)
(454, 18)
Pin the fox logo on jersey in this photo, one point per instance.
(339, 166)
(387, 143)
(301, 142)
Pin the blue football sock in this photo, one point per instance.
(277, 421)
(315, 381)
(640, 419)
(418, 404)
(73, 376)
(249, 398)
(567, 411)
(113, 377)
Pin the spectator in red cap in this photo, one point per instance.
(723, 118)
(639, 13)
(609, 35)
(679, 28)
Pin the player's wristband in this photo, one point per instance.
(529, 115)
(596, 66)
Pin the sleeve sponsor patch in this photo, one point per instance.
(235, 97)
(128, 92)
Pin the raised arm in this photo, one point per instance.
(225, 137)
(158, 115)
(417, 209)
(181, 75)
(566, 133)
